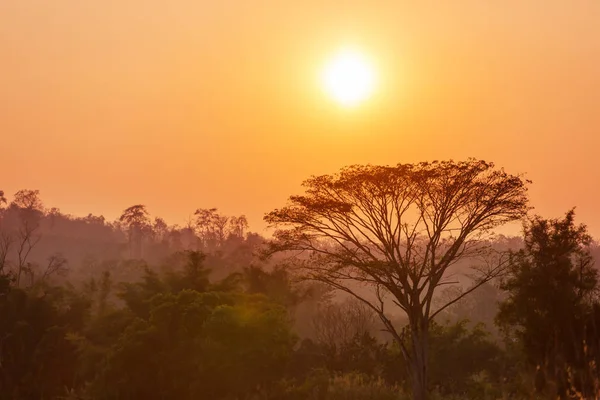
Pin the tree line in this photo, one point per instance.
(379, 282)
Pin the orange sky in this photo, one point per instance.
(186, 104)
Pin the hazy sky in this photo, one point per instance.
(187, 104)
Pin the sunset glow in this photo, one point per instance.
(97, 96)
(280, 199)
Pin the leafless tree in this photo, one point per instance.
(6, 240)
(27, 238)
(56, 265)
(30, 210)
(398, 230)
(336, 324)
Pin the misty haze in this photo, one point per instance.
(308, 200)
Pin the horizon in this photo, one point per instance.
(187, 105)
(511, 229)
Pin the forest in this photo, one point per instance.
(377, 282)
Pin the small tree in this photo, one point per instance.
(397, 230)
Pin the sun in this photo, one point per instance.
(349, 78)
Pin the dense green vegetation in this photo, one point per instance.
(137, 309)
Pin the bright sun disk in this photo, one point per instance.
(348, 78)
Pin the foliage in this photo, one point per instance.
(36, 359)
(197, 344)
(472, 376)
(276, 284)
(550, 294)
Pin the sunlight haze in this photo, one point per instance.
(195, 104)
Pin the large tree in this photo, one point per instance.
(398, 230)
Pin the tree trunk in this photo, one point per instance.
(420, 339)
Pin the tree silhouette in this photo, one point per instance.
(137, 220)
(160, 229)
(30, 210)
(238, 226)
(550, 288)
(211, 227)
(398, 230)
(5, 239)
(28, 200)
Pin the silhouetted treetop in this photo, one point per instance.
(135, 216)
(28, 199)
(379, 207)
